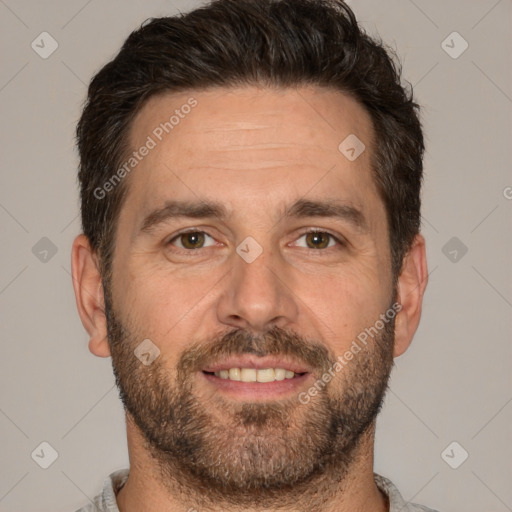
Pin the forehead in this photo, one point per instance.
(312, 117)
(267, 145)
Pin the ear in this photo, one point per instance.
(411, 287)
(89, 295)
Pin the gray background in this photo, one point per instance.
(454, 383)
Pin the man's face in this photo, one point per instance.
(251, 283)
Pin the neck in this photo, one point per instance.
(147, 489)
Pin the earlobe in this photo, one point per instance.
(411, 287)
(89, 297)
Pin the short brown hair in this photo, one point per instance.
(276, 43)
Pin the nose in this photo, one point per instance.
(257, 295)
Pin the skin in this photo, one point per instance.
(254, 150)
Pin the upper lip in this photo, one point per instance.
(258, 363)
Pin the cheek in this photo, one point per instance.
(346, 303)
(162, 305)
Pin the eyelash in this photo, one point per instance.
(190, 252)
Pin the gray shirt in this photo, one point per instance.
(106, 501)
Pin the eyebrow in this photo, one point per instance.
(302, 208)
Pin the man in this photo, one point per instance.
(251, 259)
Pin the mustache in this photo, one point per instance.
(198, 355)
(273, 342)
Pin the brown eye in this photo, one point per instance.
(190, 240)
(319, 240)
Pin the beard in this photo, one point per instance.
(216, 450)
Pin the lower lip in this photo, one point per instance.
(258, 390)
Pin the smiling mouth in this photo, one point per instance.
(262, 375)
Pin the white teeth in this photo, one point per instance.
(248, 374)
(234, 374)
(280, 373)
(253, 375)
(266, 375)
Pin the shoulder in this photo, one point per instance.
(396, 502)
(106, 500)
